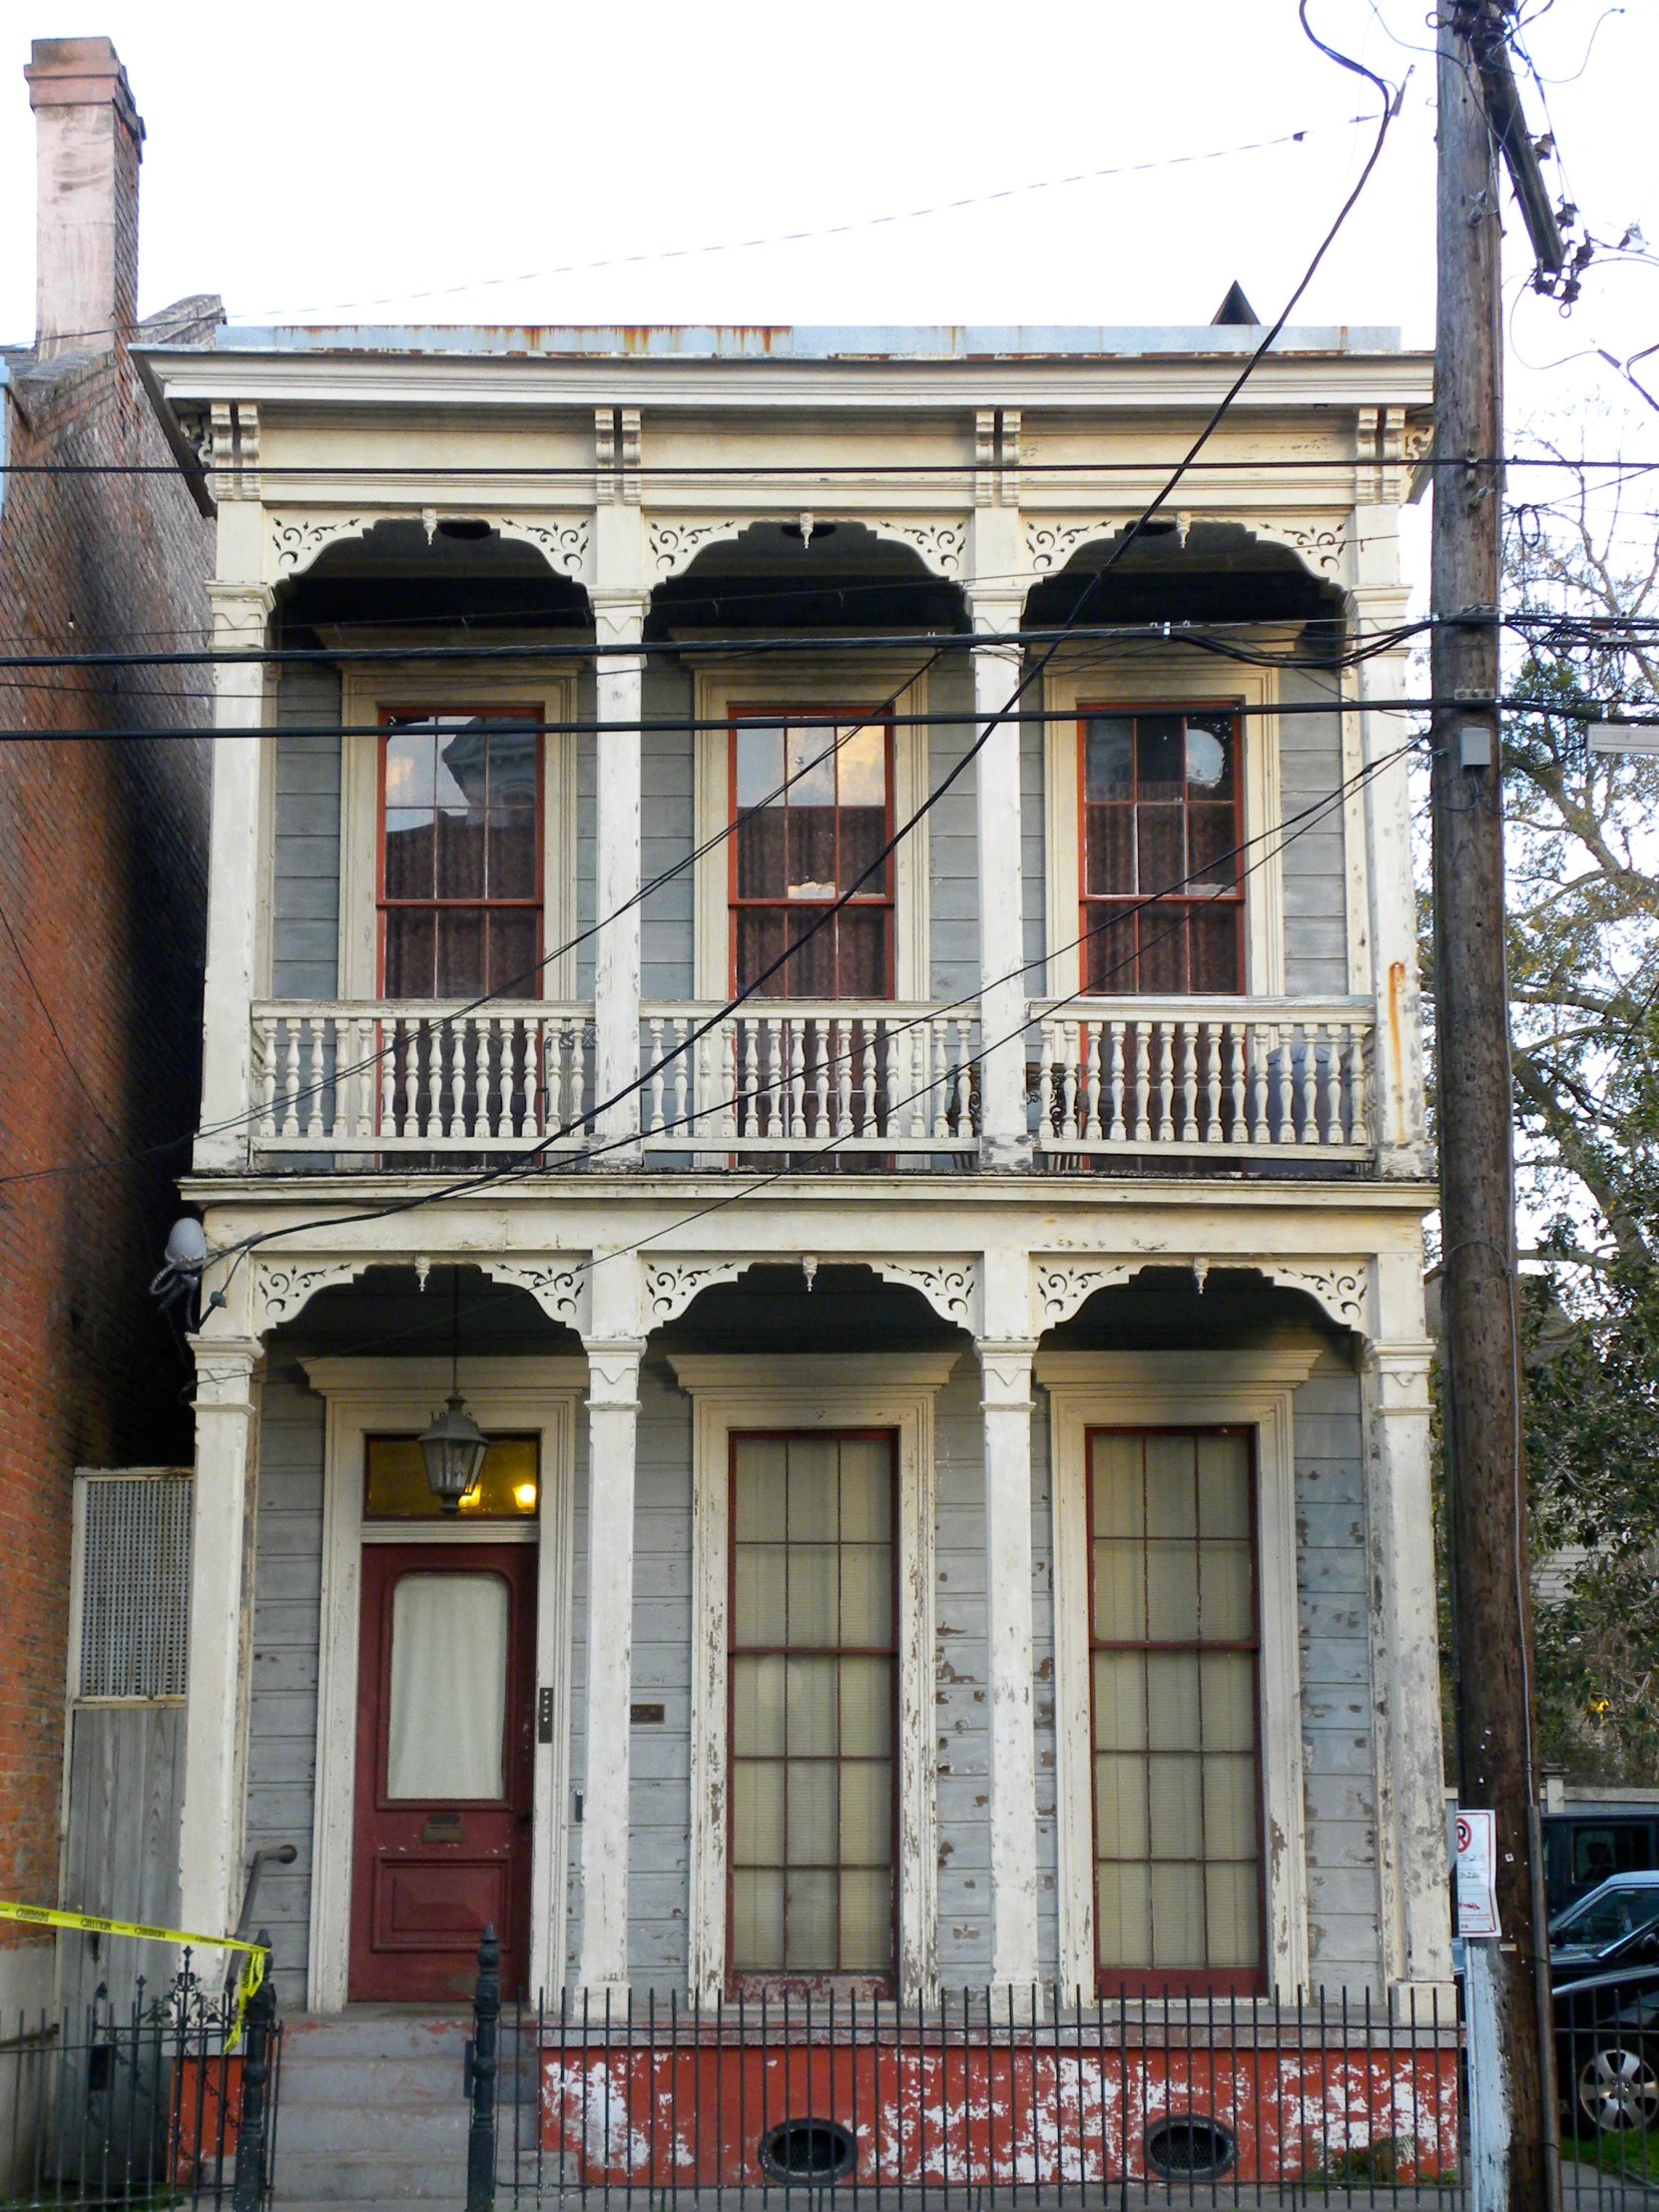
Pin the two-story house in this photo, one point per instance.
(924, 1208)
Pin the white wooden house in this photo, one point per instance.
(957, 1510)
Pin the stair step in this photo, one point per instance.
(337, 2177)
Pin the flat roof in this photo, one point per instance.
(945, 342)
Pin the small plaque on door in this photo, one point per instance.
(647, 1716)
(441, 1827)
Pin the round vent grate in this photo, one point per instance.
(1193, 2145)
(820, 2151)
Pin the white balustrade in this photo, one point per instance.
(1204, 1075)
(422, 1077)
(792, 1076)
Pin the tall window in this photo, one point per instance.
(1162, 821)
(460, 870)
(1174, 1648)
(813, 1687)
(824, 800)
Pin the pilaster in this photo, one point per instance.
(1006, 1403)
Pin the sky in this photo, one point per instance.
(365, 161)
(360, 161)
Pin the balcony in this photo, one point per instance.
(1140, 1079)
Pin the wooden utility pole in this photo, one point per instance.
(1497, 1763)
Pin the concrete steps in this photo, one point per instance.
(373, 2108)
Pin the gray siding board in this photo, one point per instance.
(666, 768)
(1314, 859)
(952, 861)
(305, 931)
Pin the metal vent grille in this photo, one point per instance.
(135, 1586)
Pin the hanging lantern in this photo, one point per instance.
(453, 1448)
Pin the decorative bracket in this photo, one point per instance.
(675, 545)
(558, 1284)
(671, 1284)
(950, 1285)
(282, 1288)
(1338, 1286)
(1061, 1286)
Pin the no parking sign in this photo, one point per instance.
(1477, 1873)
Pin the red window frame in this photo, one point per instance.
(881, 899)
(1201, 1980)
(1169, 912)
(750, 1980)
(395, 716)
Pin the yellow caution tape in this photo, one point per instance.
(90, 1924)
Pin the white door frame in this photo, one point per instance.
(835, 1390)
(363, 1397)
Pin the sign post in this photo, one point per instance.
(1475, 1834)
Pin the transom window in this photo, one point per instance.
(460, 856)
(1175, 1653)
(1162, 821)
(825, 798)
(812, 1689)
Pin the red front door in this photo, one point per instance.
(445, 1688)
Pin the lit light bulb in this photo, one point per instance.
(524, 1495)
(470, 1498)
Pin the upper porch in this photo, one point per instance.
(706, 751)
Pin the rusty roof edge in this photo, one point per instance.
(882, 345)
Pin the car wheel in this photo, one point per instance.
(1618, 2085)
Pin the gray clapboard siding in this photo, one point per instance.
(666, 838)
(587, 817)
(1316, 886)
(281, 1713)
(1339, 1791)
(1034, 903)
(954, 865)
(305, 918)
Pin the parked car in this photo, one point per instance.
(1607, 2048)
(1613, 1926)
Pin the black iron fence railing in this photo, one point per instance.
(1036, 2096)
(142, 2104)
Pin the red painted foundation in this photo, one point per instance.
(1002, 2109)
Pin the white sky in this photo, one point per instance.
(308, 156)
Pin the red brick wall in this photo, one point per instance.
(103, 873)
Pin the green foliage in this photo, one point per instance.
(1583, 865)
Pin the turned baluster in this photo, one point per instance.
(1143, 1082)
(265, 1032)
(1045, 1081)
(1212, 1083)
(1166, 1082)
(1189, 1083)
(1309, 1085)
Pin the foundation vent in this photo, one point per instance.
(132, 1585)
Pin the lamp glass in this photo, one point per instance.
(454, 1447)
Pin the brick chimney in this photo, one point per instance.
(89, 140)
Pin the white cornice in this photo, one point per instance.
(304, 381)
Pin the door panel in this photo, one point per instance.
(446, 1685)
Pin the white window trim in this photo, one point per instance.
(837, 1392)
(1181, 1390)
(366, 1395)
(722, 688)
(1174, 680)
(366, 693)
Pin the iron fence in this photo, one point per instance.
(1035, 2096)
(142, 2104)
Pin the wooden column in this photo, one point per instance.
(1404, 1641)
(220, 1576)
(241, 611)
(617, 620)
(1006, 1371)
(1005, 1141)
(613, 1416)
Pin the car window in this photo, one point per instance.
(1618, 1912)
(1597, 1852)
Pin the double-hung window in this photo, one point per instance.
(813, 804)
(812, 1688)
(1162, 906)
(460, 874)
(1175, 1662)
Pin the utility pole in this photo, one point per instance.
(1517, 2160)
